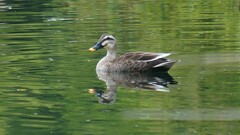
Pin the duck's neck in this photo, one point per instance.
(111, 55)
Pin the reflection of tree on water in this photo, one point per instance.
(146, 81)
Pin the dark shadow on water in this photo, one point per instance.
(156, 81)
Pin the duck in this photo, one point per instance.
(131, 61)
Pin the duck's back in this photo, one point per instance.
(138, 61)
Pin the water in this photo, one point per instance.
(48, 76)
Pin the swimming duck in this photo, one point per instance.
(129, 62)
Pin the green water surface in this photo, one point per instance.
(46, 69)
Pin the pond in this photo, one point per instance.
(49, 84)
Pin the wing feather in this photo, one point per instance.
(144, 56)
(142, 61)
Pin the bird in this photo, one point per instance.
(131, 61)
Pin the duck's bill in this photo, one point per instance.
(92, 49)
(96, 47)
(91, 91)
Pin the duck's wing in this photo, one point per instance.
(142, 61)
(143, 56)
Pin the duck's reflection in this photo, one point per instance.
(146, 81)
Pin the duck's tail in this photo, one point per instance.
(164, 65)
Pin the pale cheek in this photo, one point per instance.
(104, 43)
(110, 46)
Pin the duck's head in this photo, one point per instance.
(106, 41)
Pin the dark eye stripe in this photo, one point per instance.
(107, 38)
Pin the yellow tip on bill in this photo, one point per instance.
(92, 49)
(91, 91)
